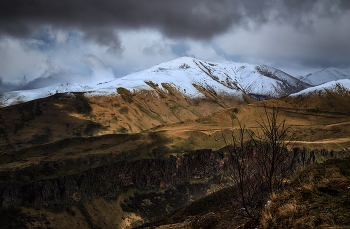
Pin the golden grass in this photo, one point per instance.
(317, 198)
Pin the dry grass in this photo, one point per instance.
(317, 198)
(147, 109)
(38, 121)
(59, 117)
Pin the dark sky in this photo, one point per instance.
(54, 38)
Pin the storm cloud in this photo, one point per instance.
(299, 36)
(198, 19)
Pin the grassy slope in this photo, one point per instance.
(59, 116)
(139, 111)
(318, 120)
(44, 120)
(317, 198)
(312, 130)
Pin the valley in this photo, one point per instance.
(143, 156)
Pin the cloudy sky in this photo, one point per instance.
(50, 41)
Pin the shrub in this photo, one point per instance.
(124, 110)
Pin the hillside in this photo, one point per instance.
(340, 87)
(317, 198)
(316, 118)
(70, 115)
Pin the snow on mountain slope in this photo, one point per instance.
(228, 78)
(326, 75)
(15, 97)
(260, 80)
(182, 74)
(334, 86)
(186, 75)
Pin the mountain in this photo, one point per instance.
(328, 98)
(337, 86)
(17, 97)
(61, 167)
(189, 76)
(326, 75)
(230, 78)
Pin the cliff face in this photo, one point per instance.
(109, 181)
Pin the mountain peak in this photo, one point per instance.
(189, 76)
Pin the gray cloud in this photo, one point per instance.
(180, 49)
(181, 18)
(314, 44)
(7, 86)
(107, 38)
(55, 75)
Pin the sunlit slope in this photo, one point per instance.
(332, 96)
(316, 122)
(73, 114)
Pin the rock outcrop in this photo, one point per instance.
(110, 180)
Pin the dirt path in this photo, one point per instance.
(325, 141)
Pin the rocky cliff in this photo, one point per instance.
(110, 180)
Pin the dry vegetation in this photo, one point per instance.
(61, 116)
(94, 131)
(141, 110)
(317, 198)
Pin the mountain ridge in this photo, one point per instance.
(335, 86)
(185, 74)
(326, 75)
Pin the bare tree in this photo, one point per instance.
(259, 163)
(274, 160)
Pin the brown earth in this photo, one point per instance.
(64, 116)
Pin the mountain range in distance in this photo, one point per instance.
(326, 75)
(189, 76)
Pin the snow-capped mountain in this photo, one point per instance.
(16, 97)
(188, 76)
(326, 75)
(337, 86)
